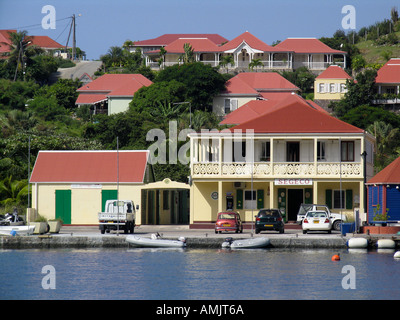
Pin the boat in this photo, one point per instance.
(16, 230)
(155, 241)
(386, 244)
(253, 243)
(357, 243)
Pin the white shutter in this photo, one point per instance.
(234, 104)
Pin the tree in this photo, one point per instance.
(255, 63)
(226, 61)
(188, 54)
(13, 192)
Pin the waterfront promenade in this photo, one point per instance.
(90, 237)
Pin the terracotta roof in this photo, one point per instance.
(251, 40)
(90, 98)
(254, 109)
(115, 85)
(306, 45)
(334, 72)
(390, 174)
(198, 45)
(295, 115)
(264, 81)
(5, 40)
(169, 38)
(44, 42)
(389, 73)
(89, 167)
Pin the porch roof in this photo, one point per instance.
(306, 45)
(87, 98)
(90, 166)
(389, 73)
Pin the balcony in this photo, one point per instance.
(278, 170)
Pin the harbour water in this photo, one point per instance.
(193, 274)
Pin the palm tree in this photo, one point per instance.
(162, 54)
(227, 60)
(188, 55)
(255, 63)
(13, 191)
(386, 141)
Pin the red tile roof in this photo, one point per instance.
(390, 174)
(169, 38)
(334, 72)
(41, 41)
(198, 45)
(389, 73)
(121, 85)
(306, 45)
(88, 98)
(90, 167)
(295, 115)
(262, 81)
(251, 40)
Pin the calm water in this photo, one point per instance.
(166, 274)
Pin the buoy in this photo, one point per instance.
(357, 243)
(336, 257)
(396, 255)
(386, 244)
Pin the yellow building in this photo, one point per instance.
(294, 153)
(331, 84)
(74, 185)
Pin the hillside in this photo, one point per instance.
(373, 53)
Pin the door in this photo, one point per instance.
(295, 199)
(293, 151)
(107, 195)
(63, 206)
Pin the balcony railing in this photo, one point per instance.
(280, 169)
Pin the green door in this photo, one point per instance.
(107, 195)
(63, 205)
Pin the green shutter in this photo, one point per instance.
(328, 198)
(63, 205)
(239, 199)
(308, 198)
(260, 199)
(107, 195)
(349, 199)
(282, 201)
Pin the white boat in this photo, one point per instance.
(16, 230)
(357, 243)
(253, 243)
(156, 242)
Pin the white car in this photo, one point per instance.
(317, 221)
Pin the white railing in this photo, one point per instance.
(281, 169)
(316, 65)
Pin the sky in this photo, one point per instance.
(101, 24)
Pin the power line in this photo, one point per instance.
(36, 25)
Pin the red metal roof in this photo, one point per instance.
(121, 85)
(198, 45)
(389, 73)
(306, 45)
(90, 98)
(390, 174)
(44, 42)
(259, 81)
(166, 39)
(295, 115)
(251, 40)
(90, 167)
(334, 72)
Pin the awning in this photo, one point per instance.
(87, 98)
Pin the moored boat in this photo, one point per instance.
(156, 242)
(253, 243)
(16, 230)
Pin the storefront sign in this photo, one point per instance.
(293, 182)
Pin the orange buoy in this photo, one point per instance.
(336, 257)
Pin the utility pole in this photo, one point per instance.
(73, 38)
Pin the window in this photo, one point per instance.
(230, 105)
(332, 87)
(339, 199)
(250, 199)
(265, 151)
(239, 151)
(343, 88)
(293, 151)
(347, 150)
(321, 88)
(320, 150)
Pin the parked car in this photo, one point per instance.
(336, 218)
(317, 221)
(228, 221)
(269, 219)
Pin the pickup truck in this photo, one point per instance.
(336, 218)
(118, 215)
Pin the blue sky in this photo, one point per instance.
(106, 23)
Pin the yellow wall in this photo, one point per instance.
(85, 202)
(327, 94)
